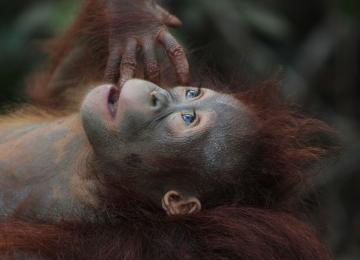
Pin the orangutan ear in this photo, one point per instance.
(175, 203)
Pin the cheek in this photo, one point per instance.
(174, 124)
(133, 160)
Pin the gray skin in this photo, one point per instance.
(147, 123)
(55, 169)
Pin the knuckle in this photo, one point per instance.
(153, 73)
(176, 51)
(128, 62)
(111, 74)
(152, 67)
(161, 33)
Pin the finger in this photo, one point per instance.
(152, 69)
(112, 72)
(176, 55)
(128, 62)
(169, 19)
(172, 21)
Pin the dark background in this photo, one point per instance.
(313, 45)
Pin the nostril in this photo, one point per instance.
(154, 99)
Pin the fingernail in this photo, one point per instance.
(174, 21)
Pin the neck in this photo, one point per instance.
(46, 163)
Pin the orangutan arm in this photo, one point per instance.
(103, 45)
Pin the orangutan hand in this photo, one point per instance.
(141, 25)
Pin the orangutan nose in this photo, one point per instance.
(159, 99)
(144, 96)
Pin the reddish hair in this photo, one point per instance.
(220, 233)
(289, 144)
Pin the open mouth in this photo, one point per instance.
(113, 99)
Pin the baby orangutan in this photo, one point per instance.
(140, 171)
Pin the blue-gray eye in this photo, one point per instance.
(192, 93)
(188, 118)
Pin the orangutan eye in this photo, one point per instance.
(188, 118)
(192, 93)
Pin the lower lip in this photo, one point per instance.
(99, 99)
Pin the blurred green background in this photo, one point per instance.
(314, 45)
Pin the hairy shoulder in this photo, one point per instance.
(28, 114)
